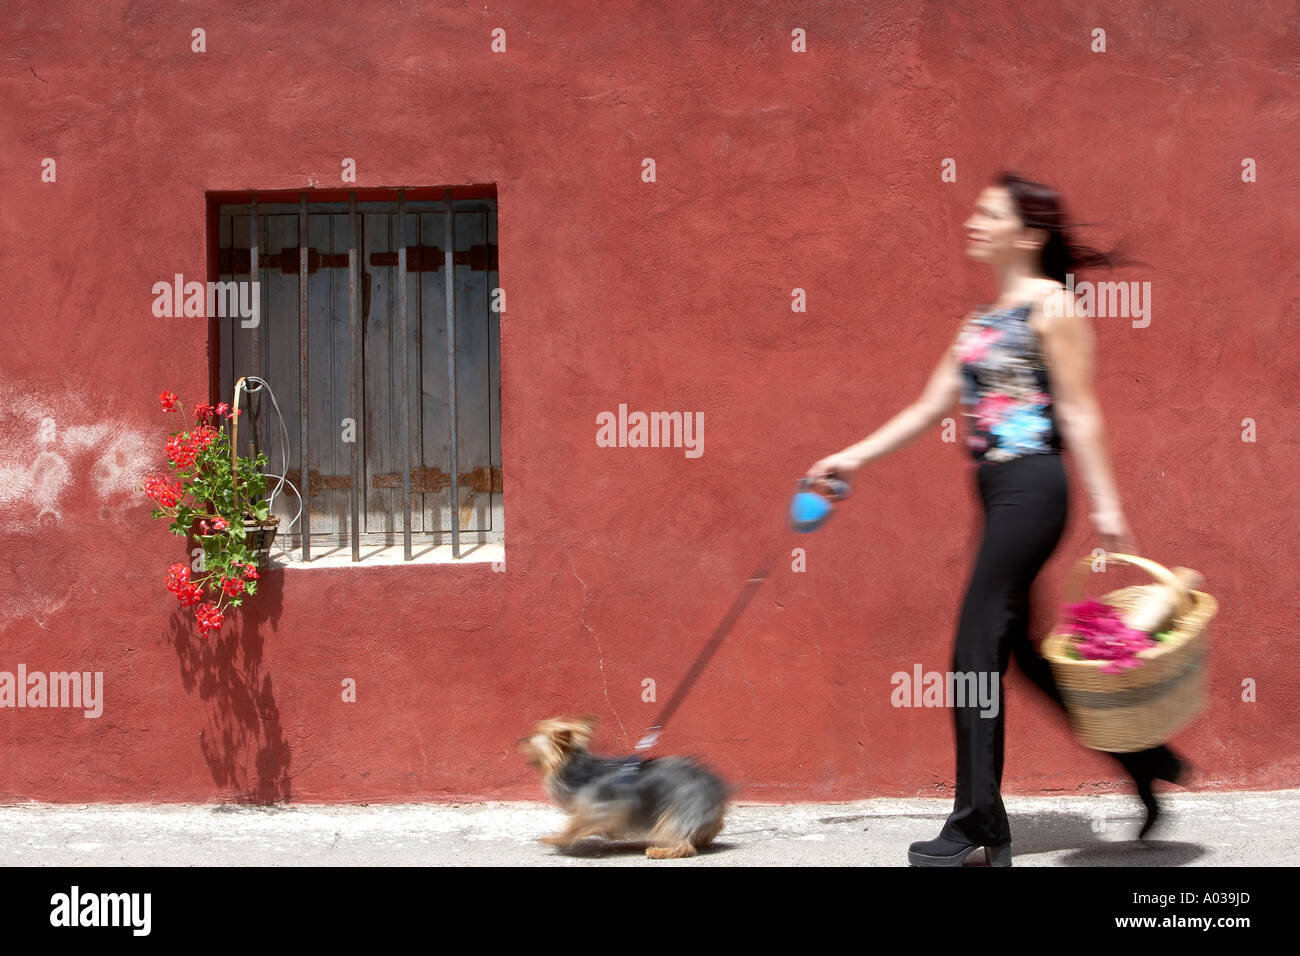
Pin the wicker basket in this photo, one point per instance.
(1145, 705)
(259, 535)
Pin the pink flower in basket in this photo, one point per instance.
(1099, 633)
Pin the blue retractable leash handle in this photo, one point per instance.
(814, 502)
(812, 505)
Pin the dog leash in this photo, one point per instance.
(812, 505)
(737, 608)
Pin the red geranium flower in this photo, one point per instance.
(203, 436)
(209, 617)
(178, 575)
(189, 594)
(182, 452)
(163, 493)
(206, 479)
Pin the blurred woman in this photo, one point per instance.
(1022, 368)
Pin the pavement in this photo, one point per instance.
(1195, 829)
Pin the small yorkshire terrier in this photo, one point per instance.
(672, 803)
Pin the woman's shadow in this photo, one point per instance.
(243, 742)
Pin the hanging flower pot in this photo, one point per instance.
(218, 499)
(260, 535)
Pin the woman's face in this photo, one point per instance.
(994, 227)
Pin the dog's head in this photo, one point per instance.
(552, 742)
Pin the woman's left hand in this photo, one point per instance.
(1114, 531)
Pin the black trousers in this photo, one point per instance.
(1026, 504)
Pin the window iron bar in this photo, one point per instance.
(304, 321)
(419, 258)
(354, 336)
(405, 387)
(449, 277)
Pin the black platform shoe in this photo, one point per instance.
(1145, 767)
(944, 852)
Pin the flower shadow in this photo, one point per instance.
(243, 743)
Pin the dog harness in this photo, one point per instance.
(629, 766)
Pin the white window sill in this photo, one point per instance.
(375, 555)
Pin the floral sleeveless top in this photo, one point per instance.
(1006, 392)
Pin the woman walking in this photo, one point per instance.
(1023, 371)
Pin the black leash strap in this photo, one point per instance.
(829, 486)
(738, 608)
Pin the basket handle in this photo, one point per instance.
(234, 442)
(1073, 584)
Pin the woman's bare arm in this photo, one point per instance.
(941, 392)
(1068, 346)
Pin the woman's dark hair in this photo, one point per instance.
(1041, 207)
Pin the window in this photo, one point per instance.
(343, 336)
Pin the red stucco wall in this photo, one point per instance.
(775, 171)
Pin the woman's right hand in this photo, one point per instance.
(1113, 530)
(841, 464)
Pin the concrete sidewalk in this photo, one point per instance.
(1196, 829)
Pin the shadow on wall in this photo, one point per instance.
(243, 743)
